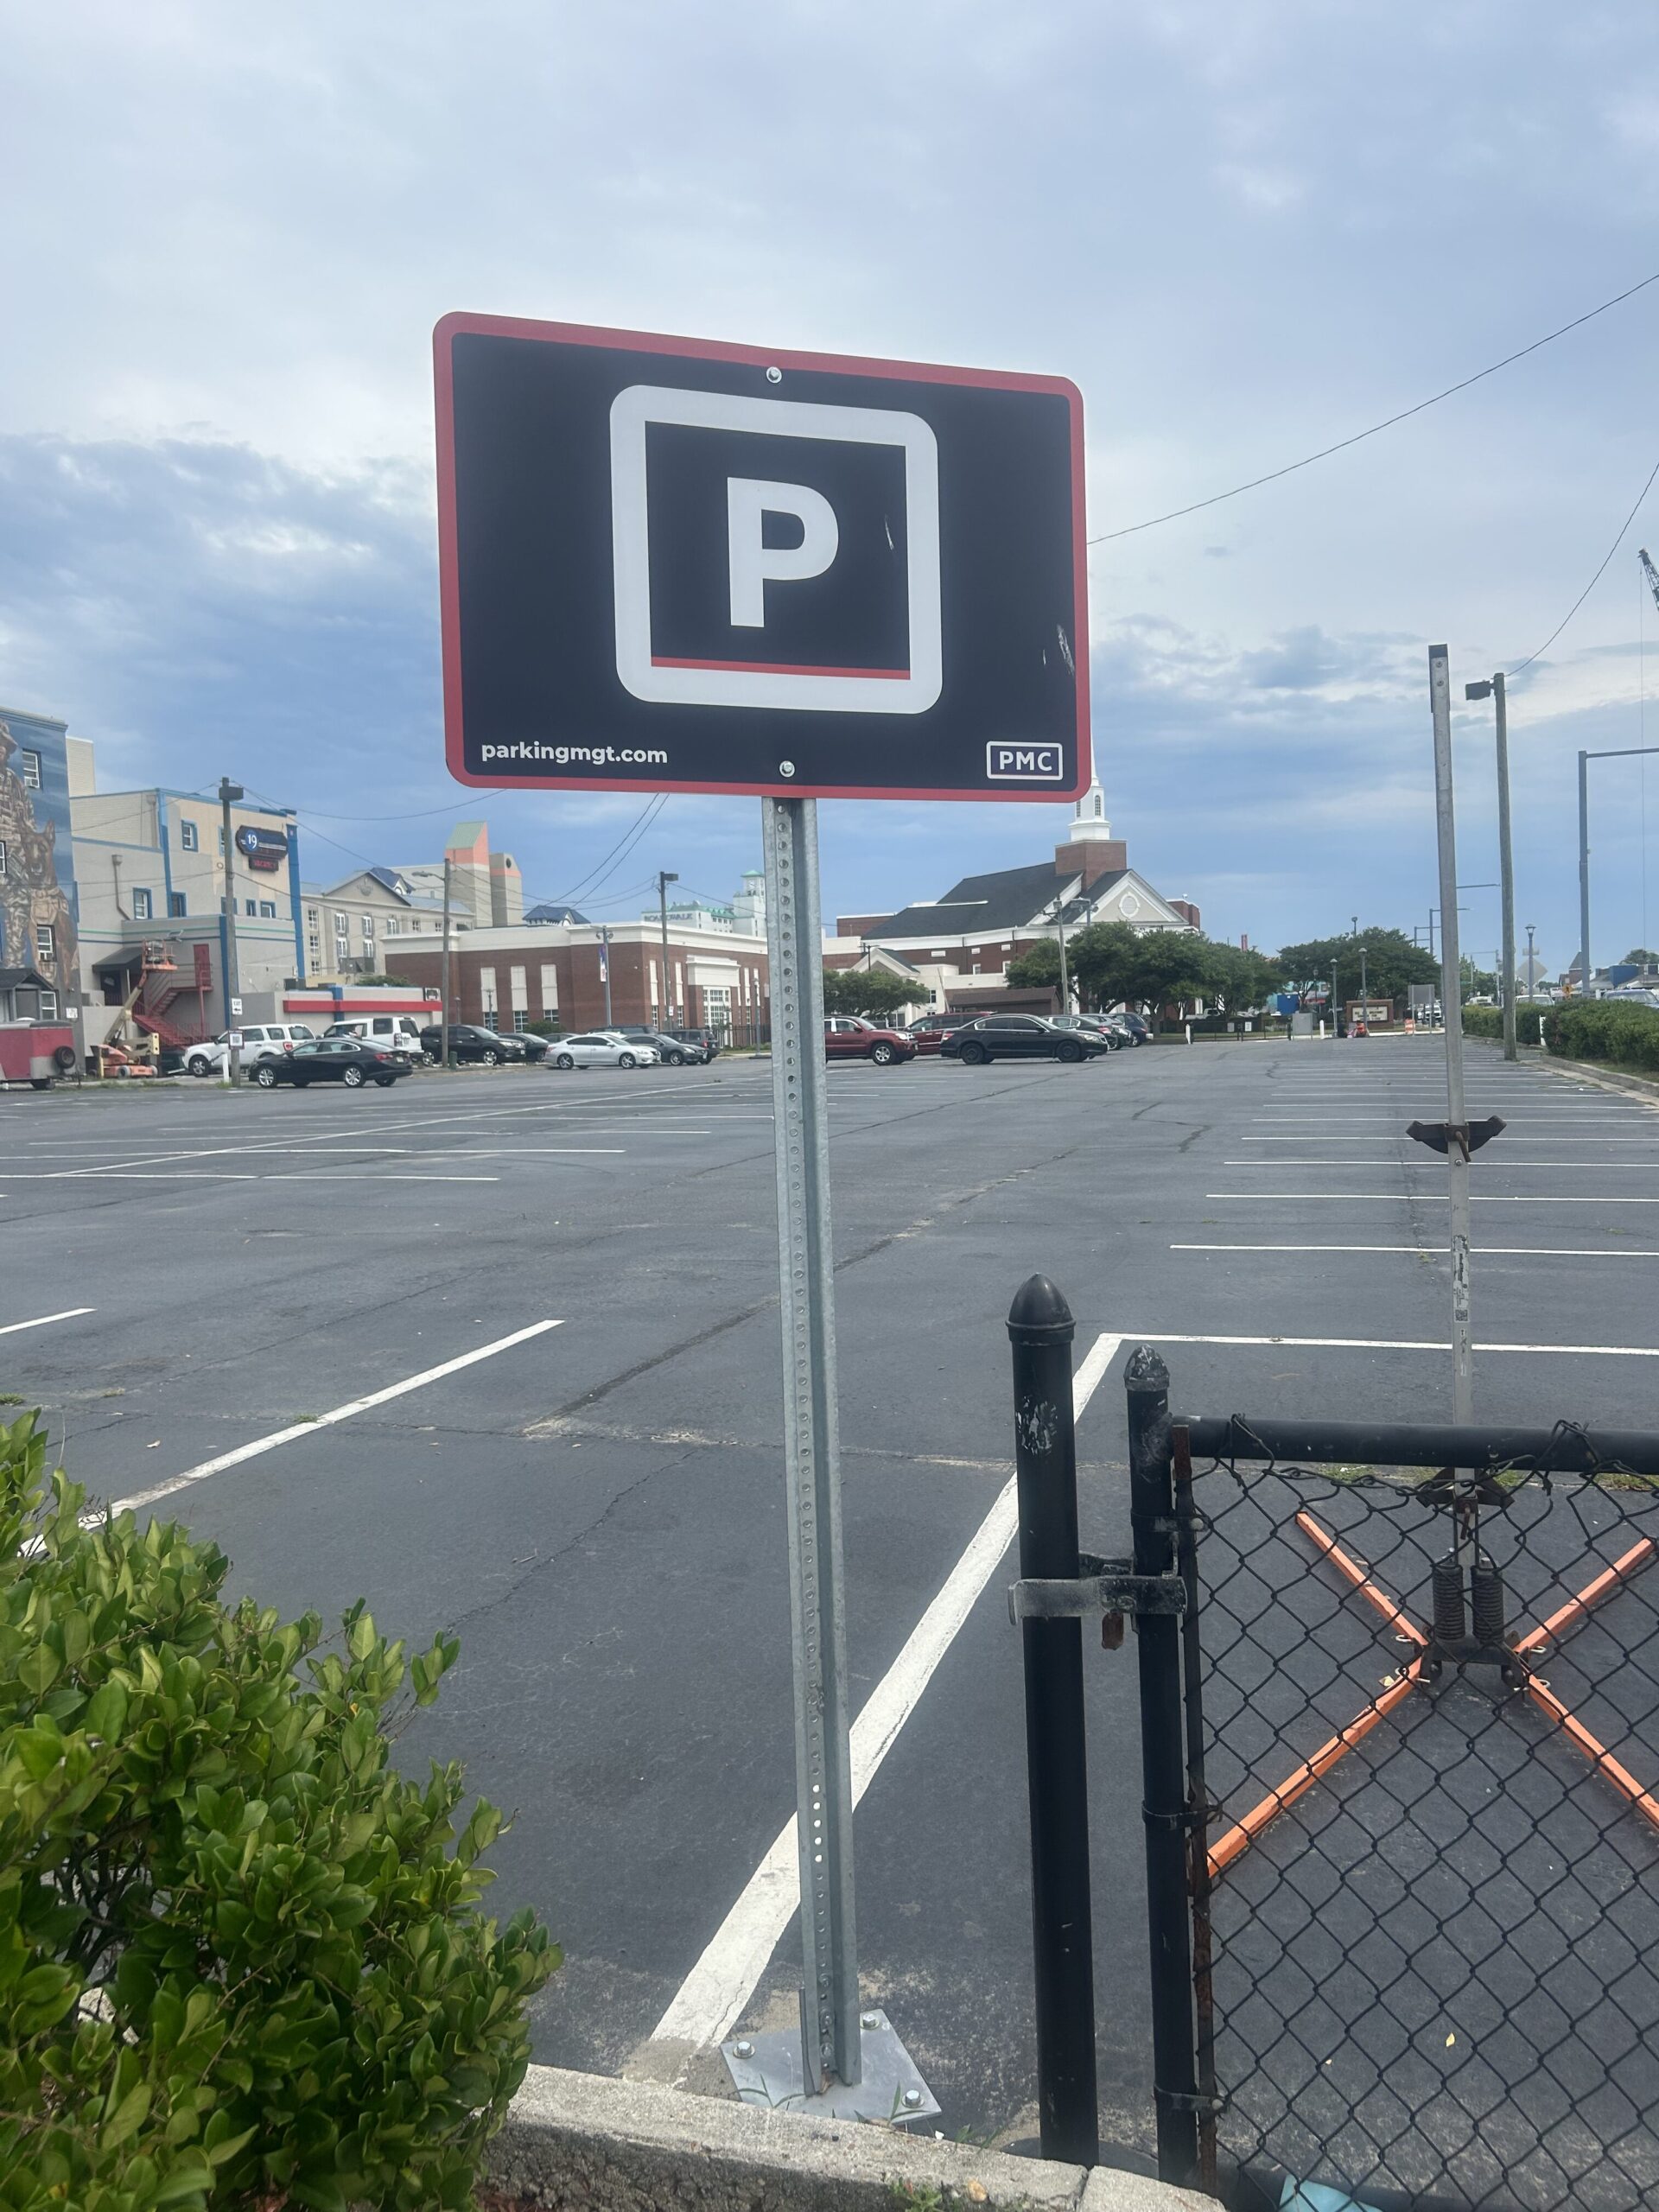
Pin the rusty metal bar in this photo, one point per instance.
(1595, 1752)
(1576, 1608)
(1356, 1575)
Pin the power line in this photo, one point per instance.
(1359, 437)
(1594, 579)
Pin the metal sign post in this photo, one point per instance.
(824, 1785)
(1457, 1117)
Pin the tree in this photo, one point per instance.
(1112, 961)
(1640, 956)
(876, 993)
(1240, 979)
(1393, 963)
(1037, 968)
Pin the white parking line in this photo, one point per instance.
(324, 1421)
(1369, 1137)
(43, 1320)
(713, 1995)
(1487, 1164)
(1416, 1197)
(1391, 1343)
(1482, 1252)
(237, 1175)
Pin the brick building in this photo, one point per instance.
(557, 971)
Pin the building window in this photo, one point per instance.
(368, 928)
(252, 905)
(142, 905)
(3, 860)
(189, 839)
(175, 906)
(521, 1017)
(46, 941)
(29, 769)
(550, 988)
(267, 910)
(342, 925)
(314, 946)
(49, 1006)
(394, 926)
(342, 951)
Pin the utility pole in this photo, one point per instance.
(1505, 861)
(664, 877)
(605, 967)
(1365, 995)
(1532, 973)
(446, 1012)
(1066, 981)
(228, 794)
(1457, 1148)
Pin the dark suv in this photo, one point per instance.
(705, 1040)
(673, 1049)
(482, 1046)
(1021, 1037)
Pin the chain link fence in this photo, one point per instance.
(1426, 1856)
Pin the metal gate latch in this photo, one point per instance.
(1109, 1586)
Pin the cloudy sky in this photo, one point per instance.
(1246, 230)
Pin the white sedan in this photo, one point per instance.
(600, 1048)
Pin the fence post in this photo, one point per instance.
(1152, 1518)
(1040, 1328)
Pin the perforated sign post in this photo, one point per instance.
(668, 565)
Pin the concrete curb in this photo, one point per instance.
(1626, 1083)
(583, 2140)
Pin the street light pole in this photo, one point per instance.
(605, 967)
(1618, 753)
(447, 1013)
(1494, 688)
(664, 877)
(228, 794)
(1457, 1117)
(1532, 977)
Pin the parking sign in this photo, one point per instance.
(670, 565)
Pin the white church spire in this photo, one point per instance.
(1090, 820)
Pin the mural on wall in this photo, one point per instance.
(36, 887)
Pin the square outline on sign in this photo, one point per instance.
(912, 693)
(1010, 776)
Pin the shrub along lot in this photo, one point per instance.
(241, 1955)
(1602, 1029)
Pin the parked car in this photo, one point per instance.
(672, 1052)
(1099, 1025)
(931, 1031)
(260, 1040)
(601, 1048)
(479, 1047)
(705, 1038)
(1139, 1029)
(332, 1060)
(1021, 1037)
(849, 1037)
(401, 1032)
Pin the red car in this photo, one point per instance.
(929, 1033)
(849, 1037)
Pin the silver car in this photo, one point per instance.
(600, 1048)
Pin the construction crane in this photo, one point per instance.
(1650, 572)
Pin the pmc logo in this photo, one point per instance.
(773, 553)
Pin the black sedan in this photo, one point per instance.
(483, 1048)
(1019, 1036)
(332, 1060)
(672, 1052)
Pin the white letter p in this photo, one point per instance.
(747, 501)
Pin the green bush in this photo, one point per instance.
(241, 1956)
(1488, 1022)
(1604, 1029)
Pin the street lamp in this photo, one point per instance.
(229, 793)
(664, 877)
(1493, 689)
(1532, 977)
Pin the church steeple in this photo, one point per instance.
(1090, 820)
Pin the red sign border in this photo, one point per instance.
(462, 323)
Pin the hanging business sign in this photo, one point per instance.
(264, 849)
(669, 565)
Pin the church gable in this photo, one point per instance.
(1129, 898)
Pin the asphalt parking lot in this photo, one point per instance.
(499, 1351)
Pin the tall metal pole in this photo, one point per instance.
(1457, 1149)
(446, 1013)
(228, 793)
(664, 877)
(1364, 993)
(823, 1819)
(605, 967)
(1041, 1329)
(1532, 973)
(1584, 875)
(1066, 981)
(1505, 862)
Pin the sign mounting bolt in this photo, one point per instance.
(774, 376)
(785, 767)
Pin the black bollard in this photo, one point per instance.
(1152, 1517)
(1041, 1329)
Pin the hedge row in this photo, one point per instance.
(1603, 1029)
(1488, 1022)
